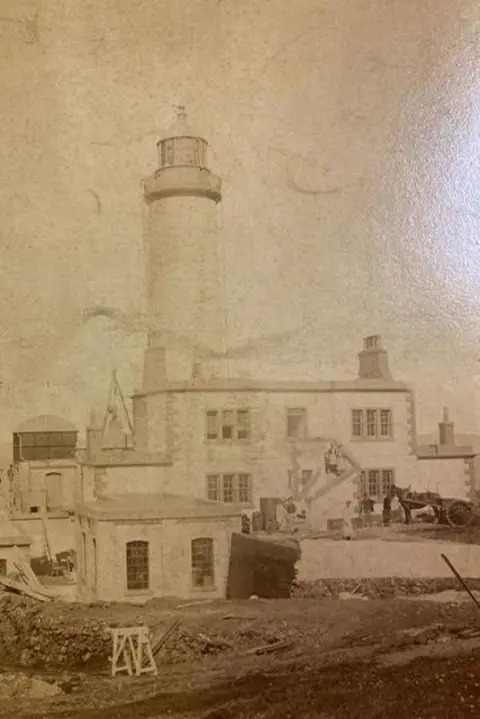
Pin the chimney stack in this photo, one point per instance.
(93, 435)
(373, 360)
(446, 430)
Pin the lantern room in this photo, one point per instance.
(182, 148)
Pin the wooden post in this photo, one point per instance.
(132, 644)
(462, 581)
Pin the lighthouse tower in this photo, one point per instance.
(186, 316)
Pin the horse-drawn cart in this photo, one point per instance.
(458, 513)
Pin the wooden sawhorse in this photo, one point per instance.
(132, 644)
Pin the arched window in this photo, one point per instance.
(137, 565)
(203, 569)
(53, 490)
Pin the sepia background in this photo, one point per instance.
(346, 133)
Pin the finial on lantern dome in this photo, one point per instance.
(181, 126)
(181, 111)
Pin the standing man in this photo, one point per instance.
(348, 516)
(387, 510)
(367, 506)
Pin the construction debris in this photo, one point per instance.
(380, 588)
(461, 580)
(21, 686)
(270, 648)
(160, 642)
(23, 588)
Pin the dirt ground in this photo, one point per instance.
(342, 658)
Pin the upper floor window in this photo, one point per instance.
(228, 424)
(137, 557)
(297, 423)
(203, 563)
(372, 424)
(230, 488)
(377, 482)
(301, 478)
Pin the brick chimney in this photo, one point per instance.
(373, 360)
(446, 430)
(94, 433)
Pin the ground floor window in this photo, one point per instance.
(377, 482)
(137, 558)
(230, 488)
(203, 573)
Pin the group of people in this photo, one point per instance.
(390, 508)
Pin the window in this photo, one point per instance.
(137, 565)
(303, 477)
(95, 568)
(84, 555)
(202, 562)
(385, 423)
(372, 424)
(296, 423)
(228, 424)
(167, 152)
(212, 425)
(357, 423)
(3, 567)
(185, 151)
(53, 491)
(213, 487)
(230, 488)
(243, 424)
(244, 488)
(377, 482)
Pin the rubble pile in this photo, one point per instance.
(377, 588)
(31, 638)
(75, 637)
(21, 686)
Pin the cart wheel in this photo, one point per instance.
(460, 514)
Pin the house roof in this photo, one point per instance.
(442, 451)
(251, 385)
(46, 423)
(124, 458)
(156, 506)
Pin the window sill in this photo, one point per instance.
(139, 592)
(203, 590)
(243, 505)
(373, 439)
(219, 440)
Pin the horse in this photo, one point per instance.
(416, 500)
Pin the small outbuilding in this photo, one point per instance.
(14, 546)
(133, 546)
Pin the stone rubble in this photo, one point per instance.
(377, 588)
(21, 686)
(76, 637)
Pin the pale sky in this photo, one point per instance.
(370, 105)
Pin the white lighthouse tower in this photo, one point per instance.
(186, 316)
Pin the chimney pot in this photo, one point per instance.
(373, 360)
(446, 430)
